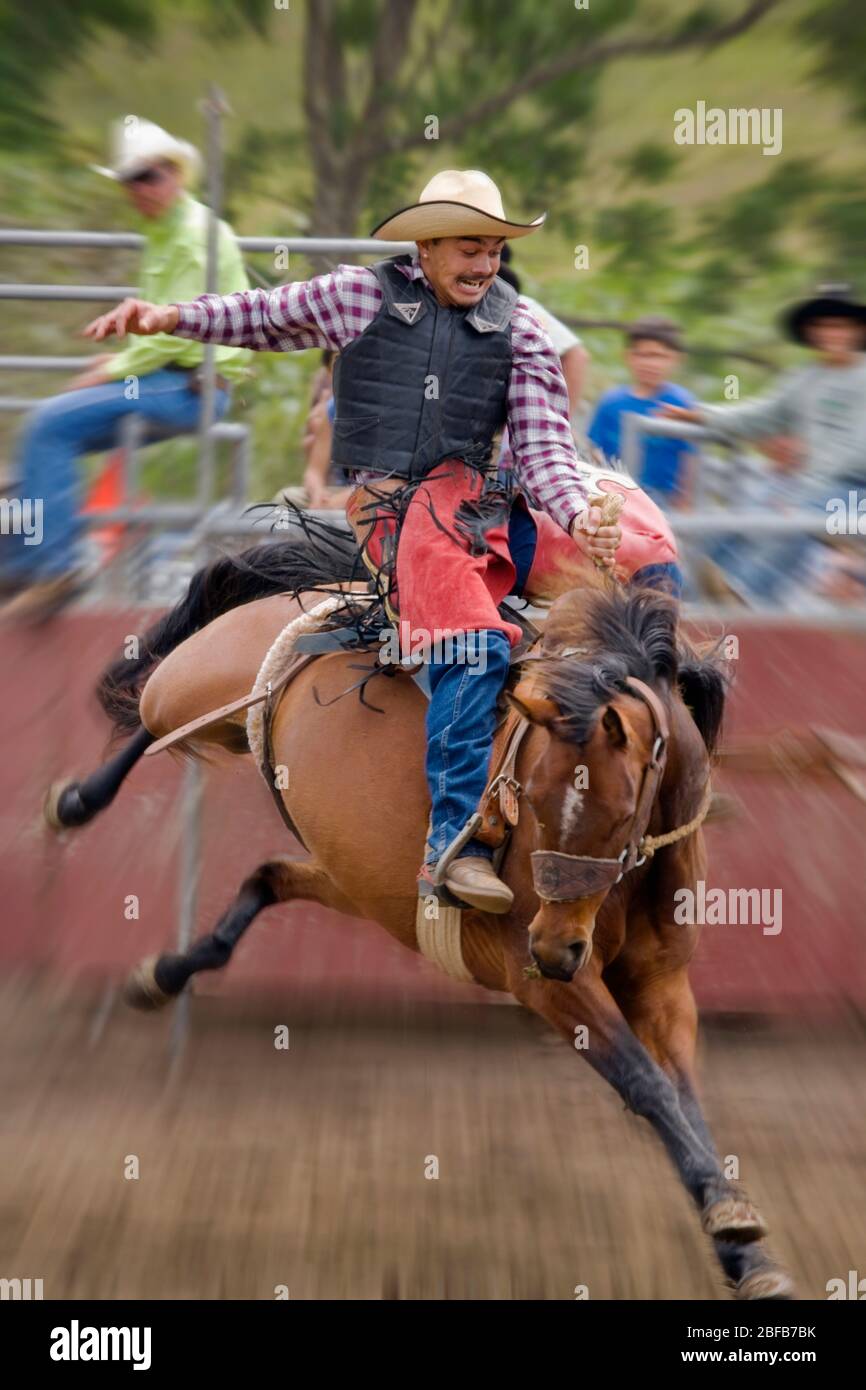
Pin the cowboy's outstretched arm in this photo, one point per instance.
(307, 313)
(545, 459)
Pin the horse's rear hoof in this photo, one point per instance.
(733, 1218)
(767, 1286)
(141, 990)
(63, 807)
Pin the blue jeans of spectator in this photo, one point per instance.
(461, 720)
(64, 427)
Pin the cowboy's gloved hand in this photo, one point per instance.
(134, 316)
(599, 542)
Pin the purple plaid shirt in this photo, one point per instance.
(330, 310)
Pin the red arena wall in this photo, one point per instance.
(63, 899)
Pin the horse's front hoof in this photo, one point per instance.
(733, 1218)
(63, 807)
(766, 1285)
(141, 990)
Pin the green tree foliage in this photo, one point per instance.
(513, 86)
(640, 234)
(752, 226)
(649, 163)
(41, 38)
(37, 40)
(516, 89)
(841, 222)
(835, 31)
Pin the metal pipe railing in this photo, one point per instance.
(132, 241)
(727, 520)
(707, 523)
(214, 522)
(215, 107)
(85, 294)
(632, 426)
(44, 364)
(711, 473)
(219, 524)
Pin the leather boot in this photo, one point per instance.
(474, 881)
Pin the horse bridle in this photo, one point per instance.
(564, 878)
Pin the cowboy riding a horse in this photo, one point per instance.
(525, 802)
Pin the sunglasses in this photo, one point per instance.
(147, 176)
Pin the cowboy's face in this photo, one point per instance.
(461, 269)
(154, 189)
(835, 337)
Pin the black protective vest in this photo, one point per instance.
(422, 383)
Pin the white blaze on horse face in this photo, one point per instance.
(572, 809)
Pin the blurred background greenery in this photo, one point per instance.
(570, 109)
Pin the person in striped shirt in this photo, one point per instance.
(436, 355)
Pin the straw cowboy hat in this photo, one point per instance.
(137, 144)
(830, 302)
(457, 202)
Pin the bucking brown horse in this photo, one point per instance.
(596, 952)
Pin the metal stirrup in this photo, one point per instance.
(471, 828)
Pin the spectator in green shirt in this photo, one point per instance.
(157, 377)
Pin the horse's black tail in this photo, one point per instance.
(307, 561)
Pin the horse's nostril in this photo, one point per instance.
(577, 950)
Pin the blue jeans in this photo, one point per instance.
(64, 427)
(461, 720)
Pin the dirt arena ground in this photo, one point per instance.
(305, 1167)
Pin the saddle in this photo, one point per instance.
(498, 808)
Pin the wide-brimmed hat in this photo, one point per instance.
(831, 302)
(136, 144)
(456, 202)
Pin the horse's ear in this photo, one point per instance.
(614, 727)
(538, 709)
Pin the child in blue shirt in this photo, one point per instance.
(653, 353)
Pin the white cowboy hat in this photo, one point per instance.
(457, 202)
(137, 144)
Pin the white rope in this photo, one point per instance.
(438, 929)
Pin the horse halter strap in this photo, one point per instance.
(563, 878)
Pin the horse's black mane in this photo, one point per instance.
(595, 638)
